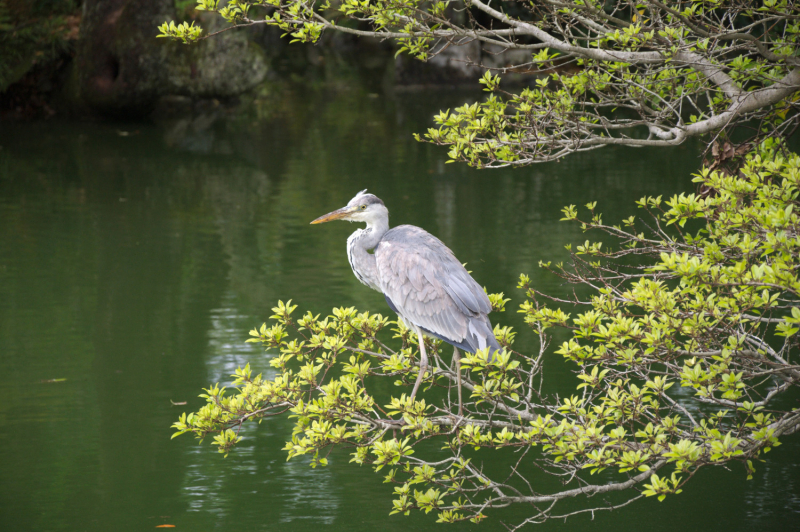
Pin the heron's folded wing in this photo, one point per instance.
(427, 284)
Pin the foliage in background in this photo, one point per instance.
(646, 73)
(32, 33)
(684, 355)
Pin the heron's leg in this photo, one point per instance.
(457, 358)
(423, 364)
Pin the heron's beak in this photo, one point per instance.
(335, 215)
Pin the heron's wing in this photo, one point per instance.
(428, 285)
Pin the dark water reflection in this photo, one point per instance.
(134, 258)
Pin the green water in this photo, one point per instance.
(135, 257)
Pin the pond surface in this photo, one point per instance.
(135, 257)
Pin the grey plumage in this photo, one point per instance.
(419, 276)
(428, 286)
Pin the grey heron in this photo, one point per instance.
(421, 279)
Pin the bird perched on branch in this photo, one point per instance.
(420, 278)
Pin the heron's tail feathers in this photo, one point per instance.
(480, 336)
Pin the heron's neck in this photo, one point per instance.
(361, 260)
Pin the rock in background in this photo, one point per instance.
(102, 58)
(121, 68)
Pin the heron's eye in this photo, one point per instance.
(363, 207)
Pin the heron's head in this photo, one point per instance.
(362, 208)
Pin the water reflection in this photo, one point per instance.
(323, 498)
(146, 300)
(226, 349)
(255, 477)
(762, 506)
(445, 196)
